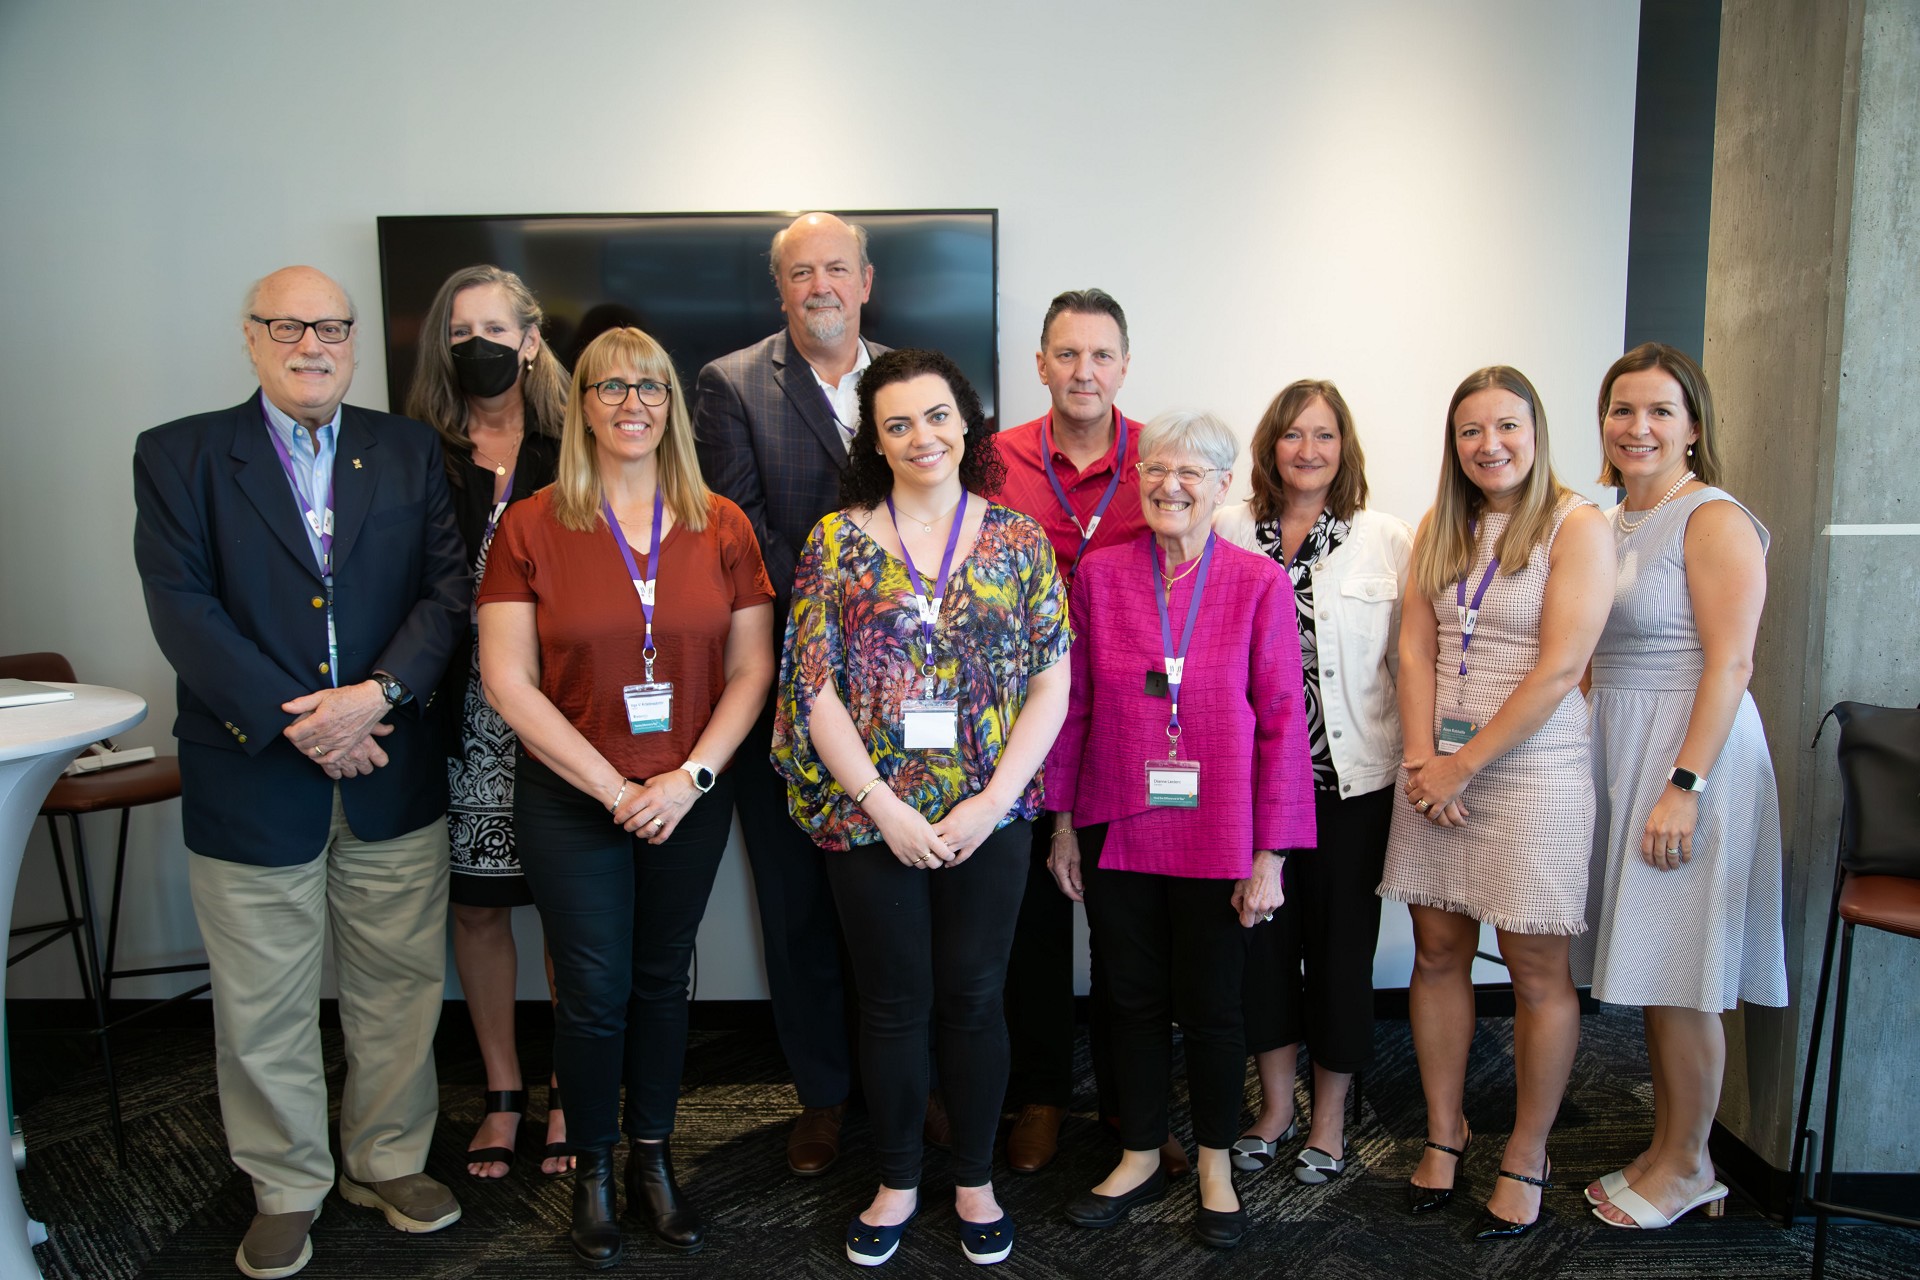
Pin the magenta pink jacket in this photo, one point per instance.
(1241, 715)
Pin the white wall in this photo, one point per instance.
(1388, 194)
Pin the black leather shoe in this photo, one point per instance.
(1495, 1228)
(653, 1197)
(1090, 1210)
(1221, 1230)
(1429, 1199)
(596, 1232)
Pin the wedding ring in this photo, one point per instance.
(1675, 850)
(1422, 805)
(659, 822)
(1267, 916)
(317, 753)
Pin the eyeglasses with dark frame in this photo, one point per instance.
(652, 393)
(288, 330)
(1156, 473)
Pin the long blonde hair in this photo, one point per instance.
(577, 491)
(1444, 551)
(435, 397)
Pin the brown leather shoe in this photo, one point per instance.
(1173, 1158)
(1035, 1139)
(814, 1143)
(938, 1130)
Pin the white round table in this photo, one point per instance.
(36, 743)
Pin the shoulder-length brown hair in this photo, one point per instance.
(1349, 491)
(1445, 549)
(577, 491)
(435, 397)
(1693, 388)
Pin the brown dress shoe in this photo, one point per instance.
(1035, 1139)
(814, 1143)
(938, 1130)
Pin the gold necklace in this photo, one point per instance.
(925, 526)
(1180, 573)
(499, 468)
(1629, 528)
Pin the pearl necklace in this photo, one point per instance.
(1625, 527)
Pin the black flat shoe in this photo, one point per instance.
(1220, 1230)
(1495, 1228)
(1431, 1199)
(653, 1198)
(596, 1231)
(1090, 1210)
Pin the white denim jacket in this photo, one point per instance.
(1356, 606)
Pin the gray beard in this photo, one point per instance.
(827, 324)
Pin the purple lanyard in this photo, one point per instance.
(499, 508)
(1059, 490)
(644, 586)
(929, 609)
(1470, 613)
(1177, 661)
(321, 522)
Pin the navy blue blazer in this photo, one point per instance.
(239, 609)
(767, 439)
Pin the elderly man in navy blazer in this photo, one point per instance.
(304, 576)
(772, 424)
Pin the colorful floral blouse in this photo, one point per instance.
(854, 622)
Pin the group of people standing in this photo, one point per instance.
(952, 681)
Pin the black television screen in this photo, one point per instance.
(699, 283)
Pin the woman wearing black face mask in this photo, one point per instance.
(486, 382)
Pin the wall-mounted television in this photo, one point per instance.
(699, 282)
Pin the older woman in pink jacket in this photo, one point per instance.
(1180, 780)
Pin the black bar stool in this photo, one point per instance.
(1876, 885)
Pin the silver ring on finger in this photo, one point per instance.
(659, 822)
(1422, 806)
(1674, 851)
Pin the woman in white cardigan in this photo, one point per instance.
(1308, 512)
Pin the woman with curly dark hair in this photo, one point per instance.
(922, 684)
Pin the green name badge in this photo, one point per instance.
(1455, 734)
(1173, 784)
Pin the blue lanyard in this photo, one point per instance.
(644, 586)
(1177, 660)
(500, 507)
(321, 522)
(1470, 613)
(929, 609)
(1059, 490)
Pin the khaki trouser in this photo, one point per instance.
(384, 906)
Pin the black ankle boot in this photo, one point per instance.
(596, 1230)
(653, 1197)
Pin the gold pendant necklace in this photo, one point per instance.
(927, 526)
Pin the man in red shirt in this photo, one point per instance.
(1072, 469)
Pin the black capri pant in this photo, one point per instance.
(1310, 970)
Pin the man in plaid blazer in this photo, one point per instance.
(772, 424)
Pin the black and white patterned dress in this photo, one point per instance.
(1327, 533)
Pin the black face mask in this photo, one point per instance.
(484, 369)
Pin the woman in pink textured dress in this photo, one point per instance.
(1511, 578)
(1179, 782)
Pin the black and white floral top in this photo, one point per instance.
(1326, 534)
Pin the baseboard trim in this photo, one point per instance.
(1741, 1167)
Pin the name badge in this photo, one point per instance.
(930, 724)
(649, 707)
(1455, 734)
(1173, 784)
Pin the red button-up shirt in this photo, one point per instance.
(1027, 491)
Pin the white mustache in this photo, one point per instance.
(817, 304)
(312, 366)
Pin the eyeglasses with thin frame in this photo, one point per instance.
(652, 393)
(288, 330)
(1157, 473)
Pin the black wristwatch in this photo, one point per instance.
(1686, 779)
(392, 690)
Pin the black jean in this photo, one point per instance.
(1039, 995)
(1328, 926)
(620, 917)
(930, 949)
(1173, 950)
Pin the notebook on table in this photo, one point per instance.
(24, 693)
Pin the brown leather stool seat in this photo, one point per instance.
(128, 787)
(1891, 903)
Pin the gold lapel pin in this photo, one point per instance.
(356, 464)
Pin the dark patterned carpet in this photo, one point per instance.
(179, 1207)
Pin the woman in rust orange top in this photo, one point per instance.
(626, 636)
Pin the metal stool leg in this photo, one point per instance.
(1823, 1188)
(1799, 1167)
(74, 916)
(85, 884)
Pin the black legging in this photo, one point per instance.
(931, 947)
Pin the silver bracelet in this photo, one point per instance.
(624, 784)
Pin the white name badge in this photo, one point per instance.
(1455, 733)
(649, 707)
(1173, 784)
(930, 724)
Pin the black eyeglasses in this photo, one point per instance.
(613, 391)
(287, 329)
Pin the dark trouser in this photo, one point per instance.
(931, 947)
(1039, 994)
(1173, 951)
(1330, 922)
(620, 917)
(799, 928)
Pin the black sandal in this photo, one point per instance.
(555, 1150)
(1427, 1199)
(1497, 1228)
(498, 1101)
